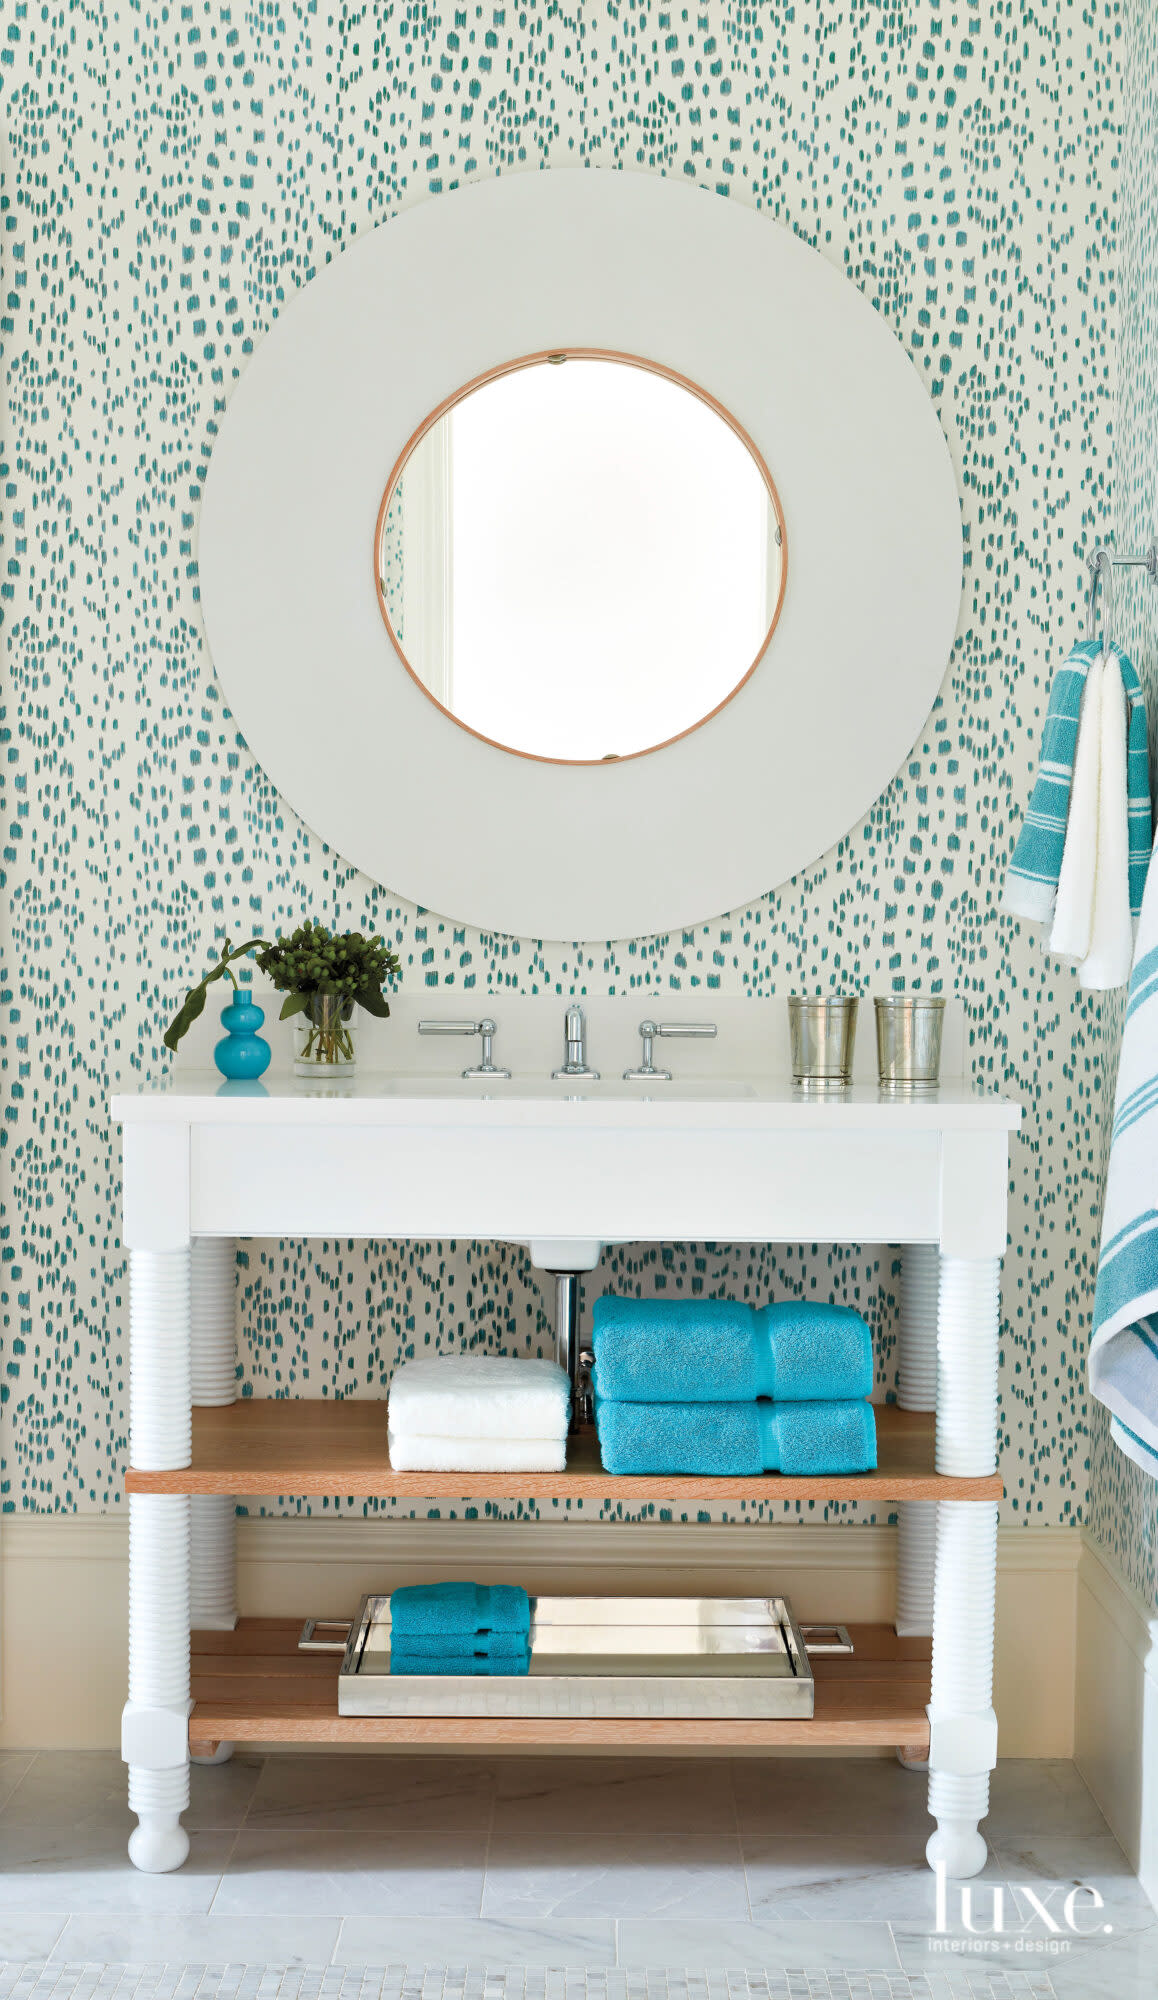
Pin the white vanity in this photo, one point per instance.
(564, 1167)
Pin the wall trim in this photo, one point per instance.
(1116, 1705)
(1116, 1597)
(643, 1545)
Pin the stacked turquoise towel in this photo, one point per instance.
(460, 1628)
(719, 1388)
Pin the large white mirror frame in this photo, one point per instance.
(715, 292)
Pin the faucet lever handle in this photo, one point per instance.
(649, 1031)
(486, 1065)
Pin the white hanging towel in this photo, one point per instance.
(1124, 1351)
(1073, 919)
(1107, 963)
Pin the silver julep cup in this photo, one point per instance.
(822, 1035)
(909, 1028)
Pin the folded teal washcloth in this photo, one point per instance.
(483, 1645)
(720, 1351)
(404, 1661)
(458, 1610)
(736, 1439)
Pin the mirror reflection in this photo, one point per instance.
(581, 559)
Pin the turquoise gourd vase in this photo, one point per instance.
(242, 1053)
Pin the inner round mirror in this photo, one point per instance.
(580, 557)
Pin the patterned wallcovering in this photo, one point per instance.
(171, 176)
(1123, 1508)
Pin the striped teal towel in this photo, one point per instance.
(1124, 1351)
(1031, 881)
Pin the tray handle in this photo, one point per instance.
(826, 1639)
(307, 1643)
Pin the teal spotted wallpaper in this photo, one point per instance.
(171, 175)
(1123, 1501)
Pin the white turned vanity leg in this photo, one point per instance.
(963, 1726)
(917, 1390)
(155, 1723)
(213, 1517)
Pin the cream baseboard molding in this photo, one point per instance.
(1116, 1706)
(64, 1575)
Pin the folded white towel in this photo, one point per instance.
(1107, 963)
(428, 1453)
(1074, 910)
(489, 1396)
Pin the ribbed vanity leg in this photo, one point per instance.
(963, 1726)
(213, 1517)
(917, 1390)
(155, 1724)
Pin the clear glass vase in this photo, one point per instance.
(324, 1038)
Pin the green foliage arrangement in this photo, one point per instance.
(353, 968)
(322, 975)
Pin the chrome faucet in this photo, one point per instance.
(575, 1035)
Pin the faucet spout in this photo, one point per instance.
(575, 1043)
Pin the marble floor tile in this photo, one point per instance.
(540, 1875)
(454, 1793)
(848, 1877)
(220, 1795)
(1127, 1969)
(70, 1788)
(753, 1946)
(1053, 1864)
(84, 1870)
(324, 1872)
(14, 1764)
(129, 1938)
(473, 1941)
(28, 1937)
(780, 1795)
(616, 1795)
(968, 1962)
(89, 1789)
(1039, 1795)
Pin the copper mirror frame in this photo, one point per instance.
(538, 359)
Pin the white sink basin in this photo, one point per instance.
(692, 1090)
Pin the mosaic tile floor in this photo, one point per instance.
(809, 1873)
(255, 1982)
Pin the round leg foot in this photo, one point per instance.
(958, 1847)
(221, 1755)
(912, 1760)
(159, 1844)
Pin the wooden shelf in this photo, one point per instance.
(339, 1449)
(253, 1686)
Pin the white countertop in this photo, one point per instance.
(749, 1104)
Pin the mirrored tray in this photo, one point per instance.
(603, 1656)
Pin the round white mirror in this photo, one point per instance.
(581, 558)
(732, 313)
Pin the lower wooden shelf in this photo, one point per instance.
(253, 1686)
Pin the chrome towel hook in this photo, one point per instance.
(1101, 564)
